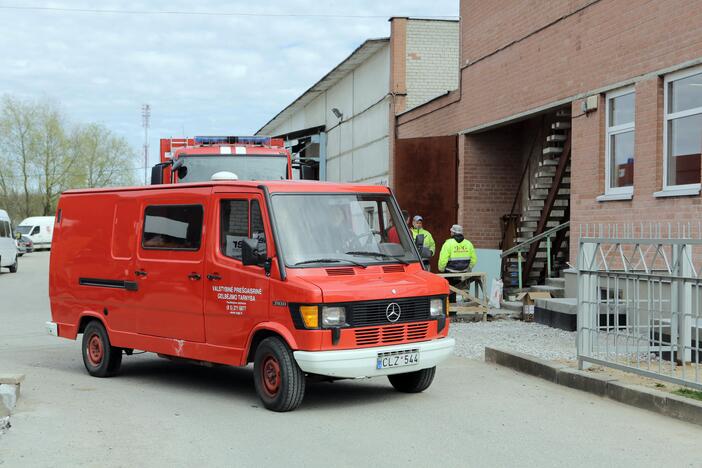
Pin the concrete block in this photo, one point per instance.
(685, 409)
(584, 381)
(523, 363)
(634, 395)
(8, 397)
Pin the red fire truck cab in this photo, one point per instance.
(302, 279)
(198, 159)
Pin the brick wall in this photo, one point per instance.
(588, 172)
(516, 63)
(431, 59)
(490, 167)
(605, 43)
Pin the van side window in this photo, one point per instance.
(234, 226)
(172, 227)
(4, 229)
(257, 227)
(35, 231)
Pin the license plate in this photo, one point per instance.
(398, 359)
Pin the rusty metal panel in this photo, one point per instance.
(426, 183)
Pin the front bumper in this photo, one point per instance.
(357, 363)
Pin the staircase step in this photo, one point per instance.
(549, 163)
(554, 291)
(552, 150)
(557, 282)
(560, 125)
(556, 137)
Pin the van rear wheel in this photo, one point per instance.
(279, 382)
(100, 358)
(14, 266)
(413, 382)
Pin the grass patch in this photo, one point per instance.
(686, 392)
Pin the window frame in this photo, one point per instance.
(249, 215)
(190, 249)
(684, 189)
(616, 130)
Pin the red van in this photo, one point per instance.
(302, 279)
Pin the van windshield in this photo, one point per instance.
(341, 229)
(23, 229)
(264, 167)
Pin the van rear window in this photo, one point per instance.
(172, 227)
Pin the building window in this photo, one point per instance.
(619, 146)
(682, 131)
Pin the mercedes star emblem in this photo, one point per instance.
(393, 312)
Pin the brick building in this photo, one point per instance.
(580, 110)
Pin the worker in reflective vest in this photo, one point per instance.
(418, 230)
(457, 253)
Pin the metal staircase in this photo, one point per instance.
(532, 249)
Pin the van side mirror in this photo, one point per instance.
(419, 241)
(157, 174)
(250, 254)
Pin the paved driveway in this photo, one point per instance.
(158, 413)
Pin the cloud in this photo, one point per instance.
(201, 74)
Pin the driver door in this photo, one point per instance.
(236, 296)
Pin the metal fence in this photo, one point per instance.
(639, 291)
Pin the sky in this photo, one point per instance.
(212, 68)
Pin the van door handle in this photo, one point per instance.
(214, 277)
(194, 276)
(140, 273)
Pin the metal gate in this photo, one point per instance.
(639, 301)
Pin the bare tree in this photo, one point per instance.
(41, 155)
(105, 159)
(17, 132)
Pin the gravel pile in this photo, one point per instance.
(528, 338)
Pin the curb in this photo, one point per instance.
(664, 403)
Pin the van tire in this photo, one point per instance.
(413, 382)
(279, 381)
(100, 358)
(14, 266)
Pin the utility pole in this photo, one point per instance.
(145, 116)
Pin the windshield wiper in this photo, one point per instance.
(331, 260)
(377, 254)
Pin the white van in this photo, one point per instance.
(8, 248)
(38, 228)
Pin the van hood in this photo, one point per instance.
(373, 283)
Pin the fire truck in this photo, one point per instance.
(198, 159)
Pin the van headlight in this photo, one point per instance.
(436, 307)
(333, 316)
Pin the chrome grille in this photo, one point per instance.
(367, 313)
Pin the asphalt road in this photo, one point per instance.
(158, 413)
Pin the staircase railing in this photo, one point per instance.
(526, 246)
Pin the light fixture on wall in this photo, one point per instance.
(339, 115)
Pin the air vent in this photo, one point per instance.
(394, 269)
(340, 271)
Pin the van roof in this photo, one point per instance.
(281, 186)
(34, 219)
(4, 215)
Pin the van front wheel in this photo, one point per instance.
(413, 382)
(279, 382)
(100, 358)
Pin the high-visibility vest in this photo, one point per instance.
(457, 256)
(428, 239)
